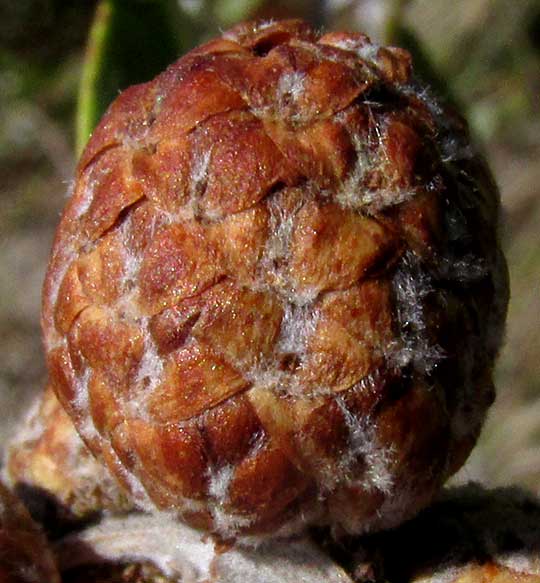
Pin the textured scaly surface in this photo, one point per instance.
(276, 293)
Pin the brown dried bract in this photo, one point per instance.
(276, 294)
(49, 464)
(24, 553)
(119, 573)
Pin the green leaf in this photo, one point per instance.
(130, 42)
(394, 20)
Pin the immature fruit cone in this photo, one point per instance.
(24, 554)
(276, 294)
(51, 468)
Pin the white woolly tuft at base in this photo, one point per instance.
(180, 551)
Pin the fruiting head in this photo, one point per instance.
(276, 293)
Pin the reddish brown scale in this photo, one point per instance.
(276, 294)
(194, 379)
(240, 240)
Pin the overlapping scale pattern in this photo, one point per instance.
(276, 293)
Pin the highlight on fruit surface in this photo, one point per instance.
(49, 466)
(24, 553)
(469, 535)
(276, 294)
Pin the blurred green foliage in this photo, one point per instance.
(130, 42)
